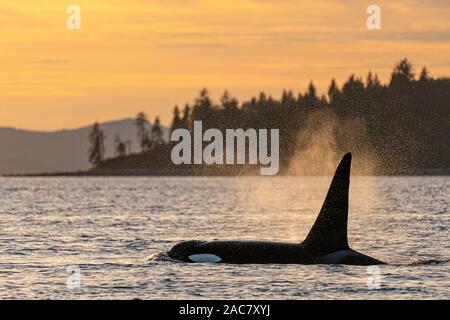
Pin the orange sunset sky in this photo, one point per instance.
(150, 55)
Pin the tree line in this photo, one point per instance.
(404, 122)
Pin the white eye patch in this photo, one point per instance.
(205, 258)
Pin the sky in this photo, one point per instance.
(149, 55)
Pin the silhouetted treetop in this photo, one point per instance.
(403, 73)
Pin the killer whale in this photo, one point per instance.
(326, 242)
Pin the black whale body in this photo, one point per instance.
(326, 242)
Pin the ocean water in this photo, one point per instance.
(97, 238)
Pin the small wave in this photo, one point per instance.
(423, 262)
(429, 262)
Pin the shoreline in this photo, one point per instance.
(190, 173)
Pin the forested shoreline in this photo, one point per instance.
(401, 127)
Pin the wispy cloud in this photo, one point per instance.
(51, 61)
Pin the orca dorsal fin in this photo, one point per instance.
(329, 232)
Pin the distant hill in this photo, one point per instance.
(24, 152)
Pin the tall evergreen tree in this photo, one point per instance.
(310, 98)
(333, 91)
(230, 110)
(156, 138)
(177, 121)
(424, 75)
(97, 145)
(142, 132)
(287, 99)
(229, 104)
(370, 81)
(186, 119)
(203, 108)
